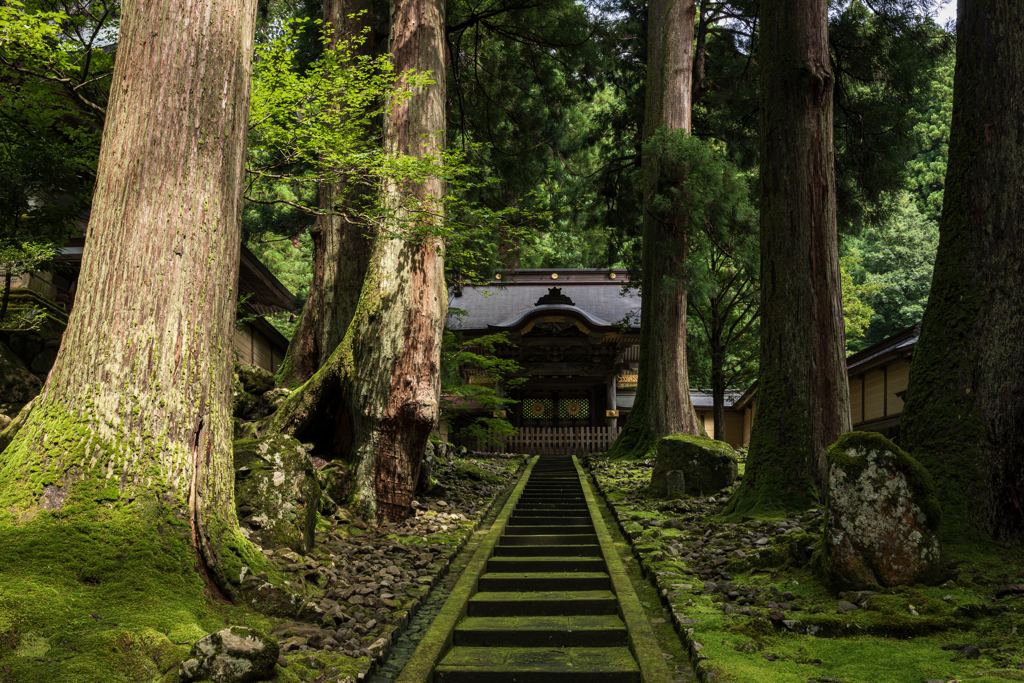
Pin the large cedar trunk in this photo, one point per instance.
(964, 416)
(132, 429)
(802, 395)
(376, 400)
(662, 405)
(341, 240)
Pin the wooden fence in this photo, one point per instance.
(558, 440)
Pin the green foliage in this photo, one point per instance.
(470, 373)
(927, 170)
(891, 269)
(857, 311)
(291, 261)
(22, 258)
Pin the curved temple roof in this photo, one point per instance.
(506, 304)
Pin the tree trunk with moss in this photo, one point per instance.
(341, 240)
(803, 402)
(964, 416)
(662, 405)
(375, 401)
(131, 435)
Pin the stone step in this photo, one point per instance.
(541, 530)
(557, 563)
(542, 603)
(525, 520)
(538, 665)
(605, 630)
(545, 581)
(547, 505)
(560, 513)
(586, 550)
(553, 539)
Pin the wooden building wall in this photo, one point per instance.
(254, 347)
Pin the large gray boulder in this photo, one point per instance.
(882, 516)
(17, 383)
(707, 466)
(233, 655)
(276, 491)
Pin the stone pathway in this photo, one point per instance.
(551, 600)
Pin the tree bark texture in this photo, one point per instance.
(134, 418)
(376, 400)
(964, 416)
(341, 241)
(802, 395)
(662, 405)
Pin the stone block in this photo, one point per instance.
(675, 484)
(276, 491)
(707, 465)
(233, 655)
(882, 516)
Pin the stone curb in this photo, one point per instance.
(702, 668)
(642, 642)
(403, 622)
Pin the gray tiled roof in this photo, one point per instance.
(701, 399)
(496, 304)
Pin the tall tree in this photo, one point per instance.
(341, 238)
(964, 416)
(132, 432)
(662, 405)
(376, 399)
(802, 397)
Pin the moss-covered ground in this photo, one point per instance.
(96, 601)
(746, 603)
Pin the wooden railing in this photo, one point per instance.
(558, 441)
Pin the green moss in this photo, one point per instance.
(468, 472)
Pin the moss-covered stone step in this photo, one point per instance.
(542, 603)
(539, 530)
(553, 539)
(603, 630)
(538, 520)
(538, 665)
(545, 581)
(554, 485)
(550, 498)
(560, 513)
(549, 505)
(587, 550)
(562, 563)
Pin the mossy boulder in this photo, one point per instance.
(467, 472)
(707, 465)
(276, 491)
(882, 517)
(233, 655)
(255, 380)
(17, 383)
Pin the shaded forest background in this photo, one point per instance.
(546, 102)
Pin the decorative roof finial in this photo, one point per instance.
(554, 296)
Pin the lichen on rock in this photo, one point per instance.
(276, 491)
(880, 528)
(707, 465)
(233, 655)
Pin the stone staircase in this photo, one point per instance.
(544, 610)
